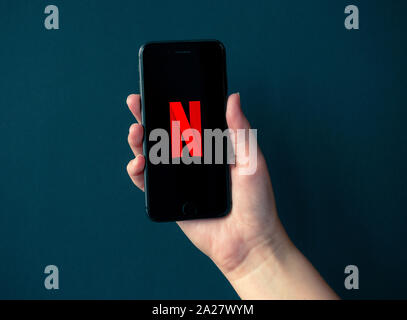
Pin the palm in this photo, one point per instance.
(227, 240)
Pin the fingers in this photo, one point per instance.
(135, 169)
(133, 101)
(135, 138)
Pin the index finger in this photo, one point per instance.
(133, 101)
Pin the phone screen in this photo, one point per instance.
(183, 82)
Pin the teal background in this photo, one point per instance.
(329, 104)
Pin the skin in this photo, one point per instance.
(250, 245)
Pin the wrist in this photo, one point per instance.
(268, 250)
(276, 269)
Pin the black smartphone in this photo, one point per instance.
(183, 94)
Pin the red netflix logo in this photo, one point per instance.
(241, 144)
(190, 131)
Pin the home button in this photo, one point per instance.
(189, 209)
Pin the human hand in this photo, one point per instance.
(249, 239)
(253, 219)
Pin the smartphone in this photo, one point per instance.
(183, 95)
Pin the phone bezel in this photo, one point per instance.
(183, 44)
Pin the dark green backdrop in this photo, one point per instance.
(329, 104)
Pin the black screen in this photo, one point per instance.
(184, 72)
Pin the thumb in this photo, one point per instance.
(234, 114)
(244, 139)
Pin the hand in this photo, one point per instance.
(251, 236)
(253, 219)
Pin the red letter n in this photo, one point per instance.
(177, 114)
